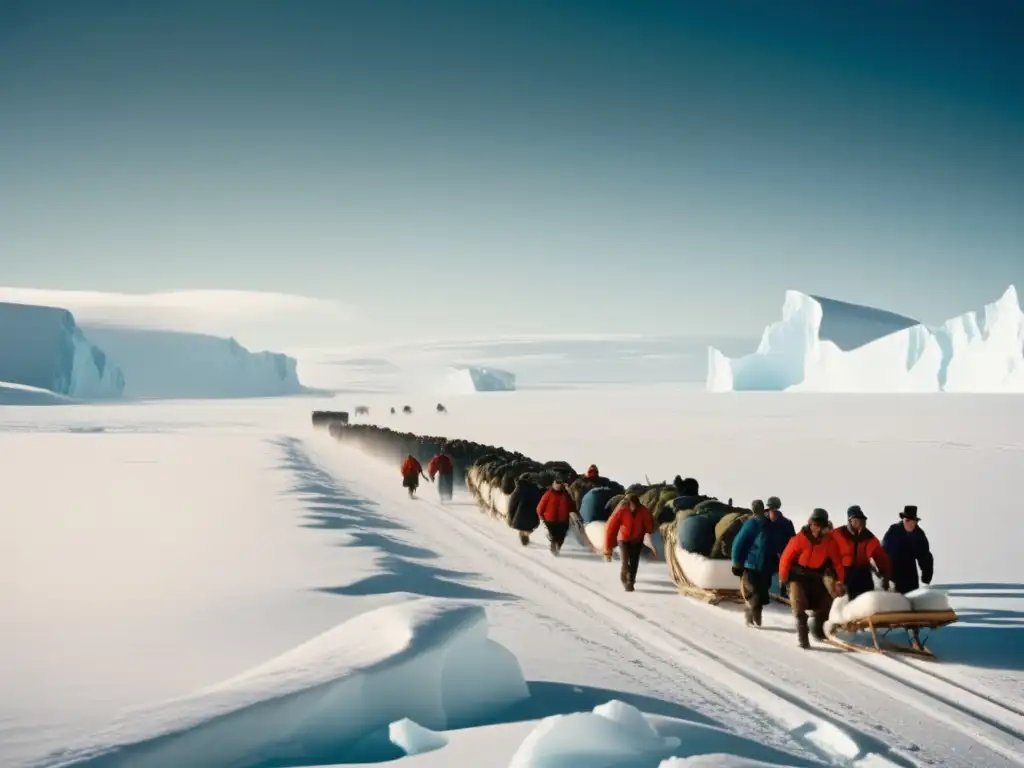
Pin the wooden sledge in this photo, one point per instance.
(880, 625)
(689, 589)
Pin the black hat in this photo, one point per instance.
(819, 516)
(909, 512)
(855, 513)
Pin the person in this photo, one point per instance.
(629, 524)
(780, 532)
(522, 508)
(592, 473)
(804, 566)
(411, 472)
(858, 548)
(554, 509)
(443, 468)
(907, 547)
(753, 560)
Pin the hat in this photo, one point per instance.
(559, 478)
(909, 512)
(774, 502)
(757, 507)
(632, 497)
(819, 516)
(855, 513)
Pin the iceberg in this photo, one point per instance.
(823, 345)
(43, 348)
(160, 364)
(468, 378)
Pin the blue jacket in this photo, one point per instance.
(752, 547)
(907, 551)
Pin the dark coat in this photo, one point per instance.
(779, 534)
(522, 506)
(906, 552)
(751, 549)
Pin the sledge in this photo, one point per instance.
(713, 595)
(586, 533)
(880, 625)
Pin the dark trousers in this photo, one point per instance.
(556, 534)
(858, 581)
(412, 482)
(810, 593)
(445, 484)
(630, 552)
(756, 588)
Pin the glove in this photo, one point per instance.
(608, 556)
(885, 585)
(737, 570)
(839, 590)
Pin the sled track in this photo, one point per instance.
(942, 679)
(988, 715)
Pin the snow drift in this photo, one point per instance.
(43, 348)
(161, 364)
(21, 394)
(426, 659)
(468, 379)
(831, 346)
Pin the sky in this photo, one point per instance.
(459, 168)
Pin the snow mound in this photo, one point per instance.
(162, 364)
(469, 378)
(612, 732)
(413, 739)
(871, 603)
(43, 348)
(928, 599)
(21, 394)
(427, 659)
(620, 736)
(830, 346)
(706, 572)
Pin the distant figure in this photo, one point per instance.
(630, 523)
(522, 508)
(858, 548)
(392, 411)
(780, 532)
(554, 509)
(406, 409)
(441, 466)
(907, 546)
(592, 472)
(441, 408)
(362, 410)
(412, 470)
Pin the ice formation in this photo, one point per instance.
(161, 364)
(43, 348)
(829, 346)
(469, 378)
(426, 659)
(413, 739)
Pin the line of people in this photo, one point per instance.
(820, 563)
(440, 469)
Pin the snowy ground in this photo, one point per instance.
(150, 551)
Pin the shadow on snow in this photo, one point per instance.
(987, 637)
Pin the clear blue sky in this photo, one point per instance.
(516, 166)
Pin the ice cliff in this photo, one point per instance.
(831, 346)
(466, 379)
(162, 364)
(43, 348)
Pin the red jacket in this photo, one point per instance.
(440, 464)
(555, 506)
(627, 524)
(813, 556)
(861, 551)
(411, 467)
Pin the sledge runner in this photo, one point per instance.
(907, 547)
(522, 508)
(858, 548)
(443, 468)
(412, 470)
(629, 524)
(805, 566)
(754, 558)
(554, 509)
(780, 532)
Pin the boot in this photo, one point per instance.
(748, 616)
(524, 538)
(801, 633)
(818, 630)
(624, 574)
(629, 586)
(756, 614)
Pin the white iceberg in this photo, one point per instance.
(825, 345)
(466, 379)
